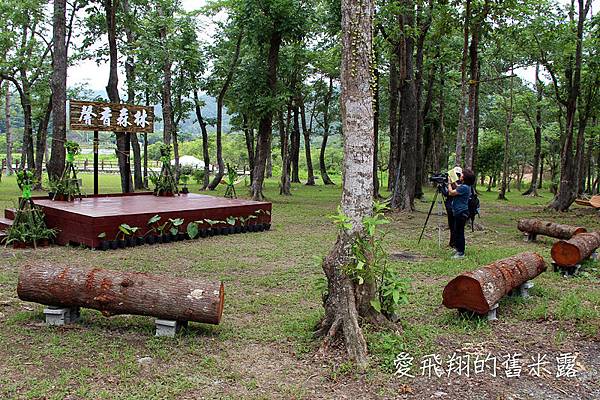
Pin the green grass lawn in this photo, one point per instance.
(273, 284)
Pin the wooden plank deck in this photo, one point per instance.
(81, 221)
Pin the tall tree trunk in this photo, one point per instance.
(345, 299)
(567, 191)
(59, 90)
(284, 139)
(138, 181)
(249, 136)
(306, 132)
(220, 100)
(41, 141)
(322, 165)
(541, 178)
(393, 121)
(404, 188)
(263, 146)
(205, 153)
(27, 156)
(537, 136)
(9, 160)
(463, 86)
(441, 131)
(421, 112)
(295, 144)
(376, 101)
(505, 163)
(113, 94)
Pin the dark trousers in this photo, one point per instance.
(450, 226)
(459, 232)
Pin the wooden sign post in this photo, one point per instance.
(119, 118)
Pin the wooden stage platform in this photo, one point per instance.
(81, 221)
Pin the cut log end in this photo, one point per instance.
(565, 254)
(464, 292)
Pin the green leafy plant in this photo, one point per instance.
(231, 220)
(174, 225)
(369, 260)
(192, 229)
(230, 182)
(126, 231)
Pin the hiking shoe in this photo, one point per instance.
(459, 255)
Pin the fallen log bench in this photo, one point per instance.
(570, 253)
(534, 227)
(479, 291)
(172, 300)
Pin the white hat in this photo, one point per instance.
(458, 170)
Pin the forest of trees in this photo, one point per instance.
(447, 86)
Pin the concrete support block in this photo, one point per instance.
(168, 328)
(61, 315)
(491, 315)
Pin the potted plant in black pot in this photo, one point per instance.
(175, 223)
(165, 183)
(128, 234)
(67, 187)
(104, 244)
(184, 180)
(151, 232)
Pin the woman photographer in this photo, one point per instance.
(460, 209)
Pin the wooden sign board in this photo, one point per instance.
(97, 116)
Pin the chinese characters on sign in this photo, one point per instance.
(505, 365)
(96, 116)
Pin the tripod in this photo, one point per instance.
(439, 213)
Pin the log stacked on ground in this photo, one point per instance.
(479, 290)
(559, 231)
(568, 253)
(121, 292)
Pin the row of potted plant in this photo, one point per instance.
(168, 231)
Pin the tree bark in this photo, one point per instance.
(551, 229)
(138, 179)
(295, 144)
(463, 86)
(220, 100)
(573, 251)
(41, 141)
(249, 136)
(393, 121)
(567, 191)
(376, 102)
(7, 116)
(306, 132)
(284, 139)
(113, 95)
(537, 136)
(205, 153)
(479, 290)
(505, 163)
(345, 300)
(263, 146)
(118, 292)
(326, 124)
(56, 163)
(405, 183)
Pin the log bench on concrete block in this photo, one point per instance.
(534, 227)
(64, 288)
(479, 291)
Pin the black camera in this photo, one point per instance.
(439, 178)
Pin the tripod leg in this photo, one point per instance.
(428, 215)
